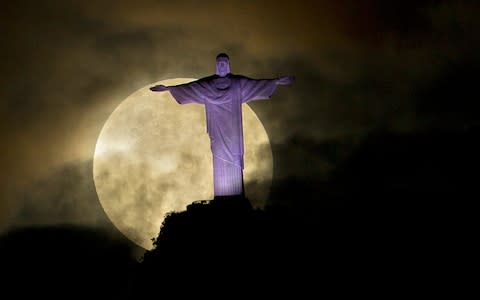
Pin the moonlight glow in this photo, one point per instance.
(153, 157)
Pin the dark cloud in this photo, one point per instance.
(433, 169)
(450, 99)
(64, 196)
(376, 21)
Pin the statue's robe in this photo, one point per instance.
(223, 98)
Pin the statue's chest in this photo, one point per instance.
(223, 93)
(222, 84)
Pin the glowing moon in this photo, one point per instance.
(153, 157)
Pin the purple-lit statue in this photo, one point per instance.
(223, 95)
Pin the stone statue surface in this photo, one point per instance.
(223, 94)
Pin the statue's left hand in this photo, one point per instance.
(159, 88)
(285, 80)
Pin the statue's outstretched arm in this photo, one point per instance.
(284, 80)
(159, 88)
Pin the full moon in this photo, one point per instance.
(153, 157)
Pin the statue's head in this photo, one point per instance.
(223, 65)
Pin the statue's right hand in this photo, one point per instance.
(159, 88)
(284, 80)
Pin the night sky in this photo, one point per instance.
(385, 99)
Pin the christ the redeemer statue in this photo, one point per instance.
(223, 95)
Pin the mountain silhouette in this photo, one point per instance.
(64, 262)
(224, 243)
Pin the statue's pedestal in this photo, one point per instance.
(224, 203)
(234, 202)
